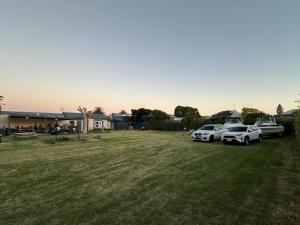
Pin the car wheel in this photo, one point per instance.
(260, 138)
(211, 138)
(246, 141)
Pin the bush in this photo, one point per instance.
(187, 123)
(288, 123)
(165, 125)
(297, 125)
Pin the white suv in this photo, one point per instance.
(242, 134)
(209, 132)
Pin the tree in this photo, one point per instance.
(1, 102)
(83, 113)
(159, 115)
(298, 102)
(186, 112)
(140, 115)
(123, 112)
(98, 110)
(250, 115)
(279, 110)
(147, 115)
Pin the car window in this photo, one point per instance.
(237, 129)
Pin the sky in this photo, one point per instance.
(126, 54)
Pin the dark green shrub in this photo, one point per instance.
(165, 125)
(288, 123)
(297, 125)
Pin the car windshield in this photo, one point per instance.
(233, 120)
(237, 129)
(207, 128)
(265, 120)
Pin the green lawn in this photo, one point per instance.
(148, 177)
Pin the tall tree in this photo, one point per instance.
(279, 110)
(1, 102)
(83, 113)
(98, 110)
(298, 102)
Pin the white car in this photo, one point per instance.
(243, 134)
(209, 133)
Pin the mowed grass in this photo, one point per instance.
(148, 177)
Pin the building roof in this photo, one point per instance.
(120, 117)
(72, 116)
(63, 116)
(98, 116)
(289, 112)
(36, 115)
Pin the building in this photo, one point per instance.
(120, 121)
(100, 121)
(30, 121)
(44, 122)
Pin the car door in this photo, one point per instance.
(221, 131)
(251, 132)
(256, 133)
(218, 132)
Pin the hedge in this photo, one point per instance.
(288, 123)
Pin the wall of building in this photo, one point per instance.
(107, 124)
(4, 121)
(90, 124)
(99, 124)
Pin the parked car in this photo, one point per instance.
(269, 126)
(209, 132)
(243, 134)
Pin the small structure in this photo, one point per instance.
(100, 121)
(120, 121)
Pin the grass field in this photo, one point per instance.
(148, 177)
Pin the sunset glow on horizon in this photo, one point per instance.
(124, 55)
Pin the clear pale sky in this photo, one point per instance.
(124, 54)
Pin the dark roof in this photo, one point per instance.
(290, 112)
(36, 115)
(72, 116)
(63, 116)
(119, 117)
(100, 117)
